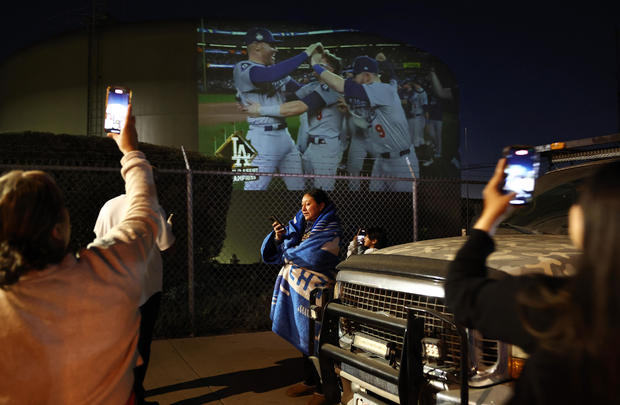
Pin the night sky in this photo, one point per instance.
(528, 73)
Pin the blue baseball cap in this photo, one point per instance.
(258, 34)
(365, 64)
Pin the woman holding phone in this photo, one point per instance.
(308, 248)
(570, 326)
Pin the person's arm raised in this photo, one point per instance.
(331, 79)
(495, 203)
(140, 217)
(121, 255)
(272, 73)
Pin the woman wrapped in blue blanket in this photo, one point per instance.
(307, 248)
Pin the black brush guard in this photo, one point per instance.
(409, 378)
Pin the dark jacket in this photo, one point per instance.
(491, 307)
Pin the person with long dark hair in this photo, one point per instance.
(69, 324)
(570, 326)
(308, 249)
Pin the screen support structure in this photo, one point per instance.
(94, 110)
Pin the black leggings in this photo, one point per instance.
(149, 312)
(311, 375)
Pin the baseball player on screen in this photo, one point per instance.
(388, 129)
(418, 100)
(355, 133)
(261, 80)
(321, 141)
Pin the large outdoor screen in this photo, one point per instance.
(262, 104)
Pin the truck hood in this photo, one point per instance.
(515, 254)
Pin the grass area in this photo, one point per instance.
(210, 137)
(216, 98)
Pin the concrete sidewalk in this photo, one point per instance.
(245, 368)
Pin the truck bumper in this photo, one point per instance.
(497, 394)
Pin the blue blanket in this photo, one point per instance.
(307, 265)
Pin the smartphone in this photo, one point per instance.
(360, 236)
(273, 219)
(522, 165)
(117, 102)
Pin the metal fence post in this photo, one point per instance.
(190, 245)
(414, 198)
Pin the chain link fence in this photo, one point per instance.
(213, 287)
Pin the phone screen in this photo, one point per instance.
(522, 164)
(361, 236)
(118, 99)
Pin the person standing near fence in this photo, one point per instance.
(111, 214)
(260, 80)
(70, 323)
(320, 141)
(308, 249)
(388, 130)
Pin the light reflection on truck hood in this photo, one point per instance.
(514, 254)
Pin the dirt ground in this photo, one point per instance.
(219, 113)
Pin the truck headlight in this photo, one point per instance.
(372, 345)
(432, 348)
(337, 289)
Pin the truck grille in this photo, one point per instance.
(395, 303)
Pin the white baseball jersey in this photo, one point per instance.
(266, 94)
(388, 129)
(328, 121)
(388, 132)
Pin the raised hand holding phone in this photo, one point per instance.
(127, 140)
(278, 228)
(361, 234)
(496, 203)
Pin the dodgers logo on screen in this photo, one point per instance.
(240, 155)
